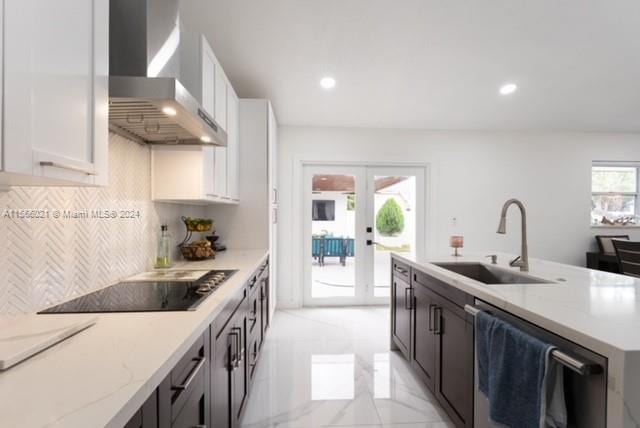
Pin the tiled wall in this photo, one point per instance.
(44, 261)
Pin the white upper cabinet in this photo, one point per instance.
(221, 97)
(205, 174)
(55, 92)
(208, 79)
(233, 145)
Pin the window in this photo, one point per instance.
(324, 210)
(614, 194)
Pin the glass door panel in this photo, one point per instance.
(395, 218)
(333, 267)
(333, 231)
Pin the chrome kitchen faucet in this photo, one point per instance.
(522, 261)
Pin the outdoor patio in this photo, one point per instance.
(335, 280)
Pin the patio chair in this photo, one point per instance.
(317, 249)
(349, 247)
(334, 247)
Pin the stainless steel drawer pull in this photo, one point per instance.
(192, 375)
(565, 359)
(67, 167)
(431, 313)
(239, 349)
(400, 270)
(233, 350)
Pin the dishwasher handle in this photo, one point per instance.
(563, 358)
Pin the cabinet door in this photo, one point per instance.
(423, 349)
(265, 304)
(192, 413)
(233, 179)
(240, 384)
(208, 171)
(56, 89)
(221, 97)
(220, 172)
(274, 207)
(223, 365)
(208, 78)
(401, 314)
(454, 381)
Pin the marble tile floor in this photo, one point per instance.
(326, 367)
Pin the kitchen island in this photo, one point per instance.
(103, 375)
(597, 310)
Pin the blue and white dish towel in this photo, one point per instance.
(523, 384)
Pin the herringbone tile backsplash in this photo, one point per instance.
(46, 261)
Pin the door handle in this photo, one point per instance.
(371, 242)
(437, 320)
(431, 311)
(400, 270)
(408, 300)
(240, 351)
(67, 167)
(192, 375)
(233, 356)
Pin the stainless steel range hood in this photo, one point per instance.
(147, 101)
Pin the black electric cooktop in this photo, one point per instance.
(146, 296)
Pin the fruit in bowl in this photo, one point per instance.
(197, 250)
(198, 224)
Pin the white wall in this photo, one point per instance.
(472, 174)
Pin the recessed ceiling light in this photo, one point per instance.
(508, 88)
(328, 82)
(169, 111)
(205, 139)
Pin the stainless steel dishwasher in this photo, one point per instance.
(585, 375)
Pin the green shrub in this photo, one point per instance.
(390, 219)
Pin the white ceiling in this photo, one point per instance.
(432, 64)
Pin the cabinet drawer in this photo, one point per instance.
(459, 297)
(187, 375)
(192, 413)
(230, 308)
(252, 355)
(253, 316)
(401, 270)
(253, 282)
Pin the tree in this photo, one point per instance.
(390, 219)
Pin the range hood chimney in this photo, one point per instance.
(147, 101)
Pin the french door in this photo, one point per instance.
(353, 218)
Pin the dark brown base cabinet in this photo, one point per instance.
(401, 309)
(210, 385)
(147, 415)
(438, 338)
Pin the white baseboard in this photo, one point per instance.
(287, 304)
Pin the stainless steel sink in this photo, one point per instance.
(489, 274)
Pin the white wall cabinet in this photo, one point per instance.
(55, 92)
(202, 175)
(253, 223)
(233, 146)
(184, 175)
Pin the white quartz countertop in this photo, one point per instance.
(596, 309)
(102, 375)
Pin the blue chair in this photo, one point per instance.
(349, 247)
(317, 249)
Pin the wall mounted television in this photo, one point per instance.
(324, 210)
